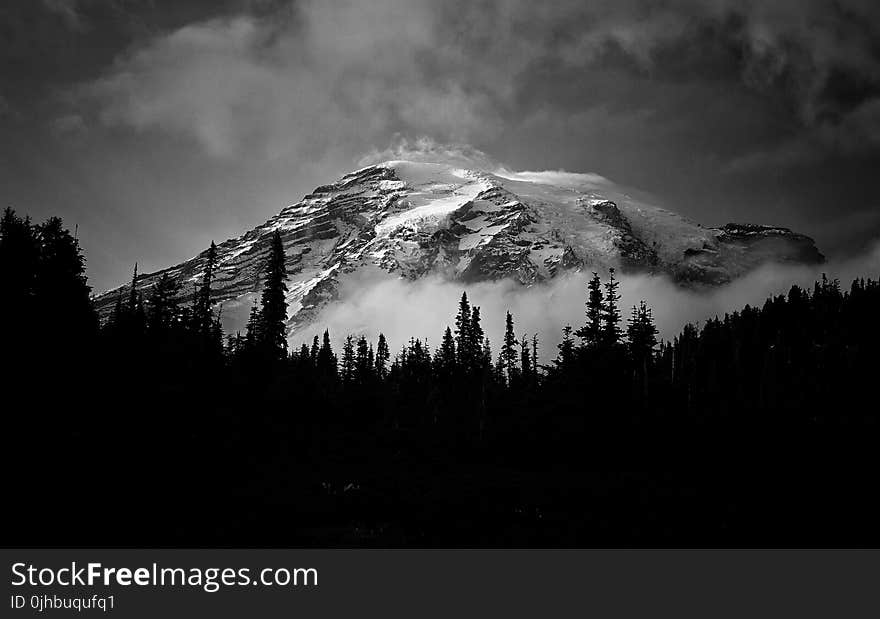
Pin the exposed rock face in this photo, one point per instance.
(412, 219)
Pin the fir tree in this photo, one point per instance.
(202, 316)
(508, 352)
(590, 333)
(611, 331)
(525, 358)
(61, 283)
(162, 311)
(362, 364)
(642, 338)
(19, 255)
(313, 351)
(535, 355)
(252, 332)
(565, 357)
(347, 363)
(463, 332)
(475, 338)
(382, 357)
(445, 356)
(305, 356)
(326, 359)
(486, 355)
(641, 333)
(135, 316)
(273, 311)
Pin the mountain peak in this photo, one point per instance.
(411, 218)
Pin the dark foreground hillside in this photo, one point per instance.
(755, 429)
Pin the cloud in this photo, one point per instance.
(559, 178)
(69, 124)
(402, 309)
(307, 78)
(68, 11)
(299, 85)
(426, 149)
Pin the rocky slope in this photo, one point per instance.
(411, 219)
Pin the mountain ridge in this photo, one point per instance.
(411, 219)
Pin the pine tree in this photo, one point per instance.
(273, 311)
(641, 333)
(202, 317)
(313, 351)
(382, 357)
(642, 337)
(363, 367)
(611, 332)
(347, 364)
(463, 333)
(535, 365)
(499, 370)
(508, 352)
(475, 338)
(131, 307)
(19, 255)
(214, 342)
(445, 361)
(525, 358)
(162, 311)
(61, 284)
(565, 357)
(486, 356)
(134, 314)
(326, 359)
(252, 332)
(590, 333)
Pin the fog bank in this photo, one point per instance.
(402, 309)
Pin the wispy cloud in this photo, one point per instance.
(401, 309)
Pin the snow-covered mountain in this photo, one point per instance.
(408, 219)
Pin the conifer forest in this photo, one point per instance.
(153, 426)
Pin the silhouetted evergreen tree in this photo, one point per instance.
(642, 338)
(463, 336)
(313, 351)
(202, 316)
(641, 333)
(19, 255)
(326, 364)
(162, 312)
(347, 363)
(273, 310)
(610, 319)
(591, 332)
(565, 358)
(525, 358)
(253, 330)
(444, 360)
(362, 362)
(508, 354)
(535, 363)
(382, 357)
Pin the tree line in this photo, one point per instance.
(159, 375)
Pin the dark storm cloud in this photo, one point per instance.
(464, 70)
(765, 111)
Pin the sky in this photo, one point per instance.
(155, 126)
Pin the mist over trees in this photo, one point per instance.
(376, 437)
